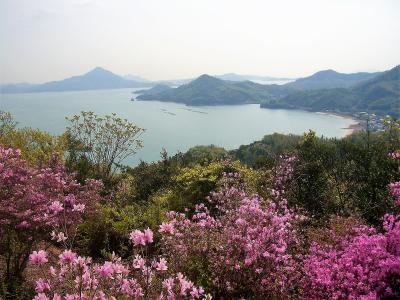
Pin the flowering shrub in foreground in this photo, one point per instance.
(77, 277)
(248, 247)
(361, 264)
(243, 246)
(36, 204)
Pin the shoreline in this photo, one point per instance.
(355, 126)
(352, 128)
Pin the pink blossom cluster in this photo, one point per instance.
(283, 172)
(231, 174)
(38, 257)
(141, 237)
(395, 155)
(249, 247)
(76, 277)
(36, 201)
(362, 264)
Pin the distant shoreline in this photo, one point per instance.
(352, 128)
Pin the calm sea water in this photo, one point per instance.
(172, 126)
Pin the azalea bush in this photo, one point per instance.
(145, 276)
(37, 205)
(245, 247)
(359, 263)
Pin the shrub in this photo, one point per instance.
(145, 277)
(247, 247)
(36, 205)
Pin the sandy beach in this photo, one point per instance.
(355, 126)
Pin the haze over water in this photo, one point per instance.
(172, 126)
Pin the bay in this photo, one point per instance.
(173, 126)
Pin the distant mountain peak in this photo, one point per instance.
(100, 70)
(328, 72)
(206, 80)
(205, 76)
(97, 78)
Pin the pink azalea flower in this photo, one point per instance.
(56, 207)
(168, 284)
(148, 235)
(161, 265)
(138, 262)
(166, 228)
(42, 285)
(137, 238)
(38, 257)
(105, 270)
(59, 237)
(67, 257)
(78, 207)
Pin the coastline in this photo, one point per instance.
(355, 126)
(352, 128)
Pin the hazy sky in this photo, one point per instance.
(42, 40)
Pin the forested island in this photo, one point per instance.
(266, 220)
(377, 93)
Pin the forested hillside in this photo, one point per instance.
(330, 79)
(208, 90)
(380, 95)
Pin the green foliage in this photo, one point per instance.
(381, 94)
(108, 231)
(36, 146)
(313, 188)
(345, 176)
(317, 100)
(263, 154)
(16, 290)
(101, 143)
(150, 178)
(7, 123)
(192, 185)
(204, 154)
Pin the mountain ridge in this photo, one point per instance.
(95, 79)
(380, 95)
(331, 79)
(209, 90)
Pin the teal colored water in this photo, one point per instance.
(172, 126)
